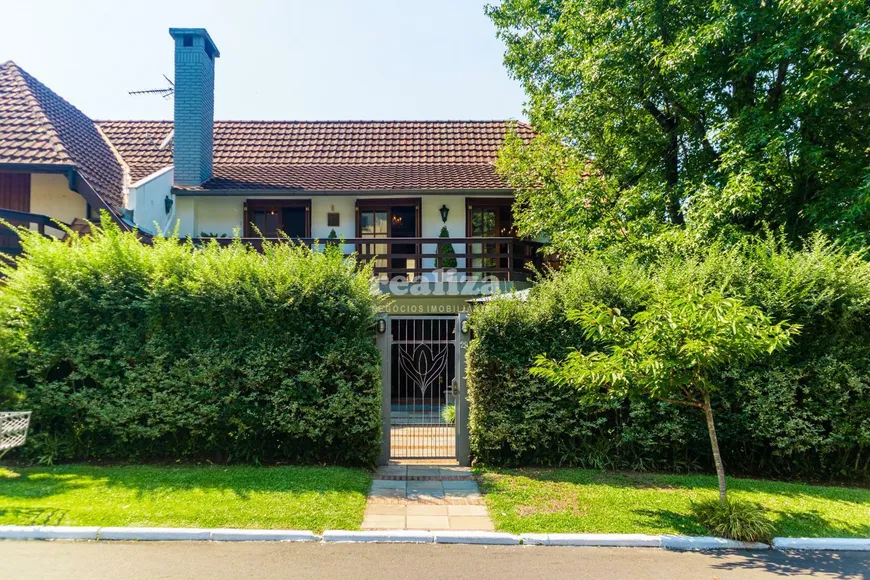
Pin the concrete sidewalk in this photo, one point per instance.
(271, 561)
(425, 497)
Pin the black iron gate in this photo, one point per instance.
(424, 406)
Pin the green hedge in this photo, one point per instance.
(805, 412)
(128, 351)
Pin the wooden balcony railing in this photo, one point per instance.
(506, 258)
(9, 241)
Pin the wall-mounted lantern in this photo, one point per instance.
(444, 211)
(463, 326)
(382, 325)
(167, 204)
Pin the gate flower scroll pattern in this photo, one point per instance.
(423, 365)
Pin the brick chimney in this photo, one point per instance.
(193, 141)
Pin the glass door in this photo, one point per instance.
(390, 219)
(374, 224)
(489, 218)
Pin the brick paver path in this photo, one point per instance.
(425, 497)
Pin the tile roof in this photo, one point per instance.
(37, 126)
(353, 177)
(329, 155)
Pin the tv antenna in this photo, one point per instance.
(165, 93)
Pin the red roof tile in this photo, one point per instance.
(351, 177)
(330, 155)
(37, 126)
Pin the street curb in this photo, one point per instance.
(236, 535)
(385, 536)
(670, 542)
(708, 543)
(48, 533)
(487, 538)
(845, 544)
(615, 540)
(154, 534)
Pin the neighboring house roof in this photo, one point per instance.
(38, 127)
(330, 155)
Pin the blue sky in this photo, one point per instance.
(297, 59)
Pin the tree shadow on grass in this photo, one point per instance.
(690, 482)
(34, 516)
(681, 523)
(803, 563)
(38, 483)
(810, 523)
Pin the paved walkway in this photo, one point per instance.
(425, 497)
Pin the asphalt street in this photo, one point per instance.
(267, 561)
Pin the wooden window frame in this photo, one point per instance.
(385, 205)
(472, 203)
(252, 205)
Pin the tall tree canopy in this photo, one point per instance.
(713, 116)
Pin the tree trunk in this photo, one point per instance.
(672, 175)
(717, 458)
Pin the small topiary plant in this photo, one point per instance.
(449, 262)
(737, 520)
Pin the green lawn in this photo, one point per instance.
(578, 500)
(308, 498)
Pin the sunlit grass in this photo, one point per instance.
(310, 498)
(578, 500)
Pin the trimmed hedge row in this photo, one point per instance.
(805, 412)
(128, 351)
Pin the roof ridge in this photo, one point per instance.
(330, 121)
(124, 167)
(36, 108)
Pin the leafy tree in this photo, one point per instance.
(715, 117)
(669, 351)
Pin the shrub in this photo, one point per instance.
(448, 413)
(446, 248)
(128, 351)
(736, 520)
(803, 412)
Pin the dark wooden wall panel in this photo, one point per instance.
(14, 194)
(15, 191)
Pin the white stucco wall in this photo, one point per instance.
(147, 199)
(345, 206)
(185, 216)
(50, 195)
(222, 215)
(218, 215)
(431, 220)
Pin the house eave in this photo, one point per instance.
(335, 192)
(37, 168)
(76, 183)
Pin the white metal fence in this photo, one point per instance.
(13, 430)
